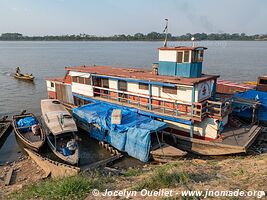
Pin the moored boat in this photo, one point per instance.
(60, 131)
(4, 126)
(28, 129)
(175, 91)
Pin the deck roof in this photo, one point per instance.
(139, 74)
(56, 79)
(183, 48)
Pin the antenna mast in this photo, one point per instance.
(166, 33)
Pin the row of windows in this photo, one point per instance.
(184, 56)
(82, 80)
(122, 85)
(166, 89)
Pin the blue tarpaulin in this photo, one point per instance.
(26, 122)
(131, 136)
(246, 111)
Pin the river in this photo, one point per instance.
(232, 60)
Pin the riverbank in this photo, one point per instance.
(248, 173)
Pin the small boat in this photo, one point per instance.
(26, 77)
(52, 168)
(29, 130)
(4, 126)
(60, 131)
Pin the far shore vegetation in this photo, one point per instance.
(153, 36)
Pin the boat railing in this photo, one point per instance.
(215, 109)
(156, 104)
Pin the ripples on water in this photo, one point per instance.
(238, 61)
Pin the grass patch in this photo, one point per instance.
(133, 172)
(74, 187)
(165, 176)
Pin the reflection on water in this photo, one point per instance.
(9, 150)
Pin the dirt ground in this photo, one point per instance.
(25, 171)
(229, 173)
(233, 173)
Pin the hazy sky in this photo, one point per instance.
(109, 17)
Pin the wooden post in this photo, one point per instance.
(176, 108)
(192, 111)
(9, 176)
(253, 114)
(150, 94)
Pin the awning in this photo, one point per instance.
(80, 74)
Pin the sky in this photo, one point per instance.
(110, 17)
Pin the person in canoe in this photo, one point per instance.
(18, 70)
(19, 75)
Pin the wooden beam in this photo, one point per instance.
(101, 163)
(9, 176)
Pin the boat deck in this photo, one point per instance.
(235, 140)
(31, 137)
(243, 136)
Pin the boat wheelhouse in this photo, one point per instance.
(174, 91)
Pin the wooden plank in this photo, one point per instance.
(9, 176)
(101, 163)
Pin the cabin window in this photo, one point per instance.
(263, 81)
(96, 81)
(87, 81)
(200, 56)
(122, 85)
(194, 56)
(104, 83)
(81, 80)
(169, 90)
(186, 56)
(52, 84)
(74, 79)
(143, 86)
(179, 57)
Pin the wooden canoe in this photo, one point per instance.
(31, 141)
(51, 167)
(4, 126)
(25, 77)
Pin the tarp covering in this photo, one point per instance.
(26, 122)
(245, 110)
(131, 136)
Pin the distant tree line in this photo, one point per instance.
(153, 36)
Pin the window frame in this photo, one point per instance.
(184, 53)
(182, 56)
(143, 86)
(87, 81)
(104, 82)
(74, 79)
(170, 90)
(123, 88)
(81, 78)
